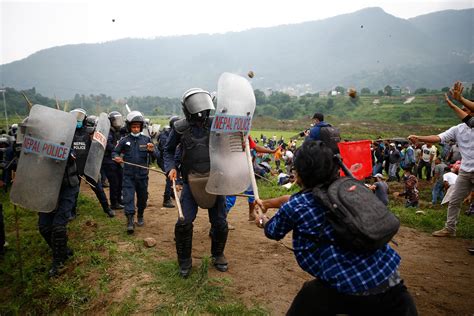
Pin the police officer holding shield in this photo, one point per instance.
(113, 170)
(81, 145)
(136, 149)
(192, 134)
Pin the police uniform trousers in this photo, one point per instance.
(133, 184)
(56, 221)
(114, 174)
(217, 213)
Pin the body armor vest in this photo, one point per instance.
(81, 144)
(195, 149)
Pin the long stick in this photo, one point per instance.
(84, 178)
(243, 195)
(18, 248)
(178, 202)
(263, 178)
(252, 175)
(140, 166)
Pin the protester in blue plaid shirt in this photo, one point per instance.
(347, 282)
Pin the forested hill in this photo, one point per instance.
(368, 48)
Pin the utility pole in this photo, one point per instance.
(5, 107)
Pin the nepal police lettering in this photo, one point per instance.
(44, 148)
(231, 123)
(100, 138)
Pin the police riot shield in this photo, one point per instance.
(232, 121)
(97, 149)
(43, 158)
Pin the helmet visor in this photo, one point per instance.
(198, 102)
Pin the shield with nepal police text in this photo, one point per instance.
(43, 158)
(232, 121)
(97, 148)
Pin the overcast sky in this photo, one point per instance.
(29, 26)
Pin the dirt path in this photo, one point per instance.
(438, 272)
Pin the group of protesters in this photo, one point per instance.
(346, 281)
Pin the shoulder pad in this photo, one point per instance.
(181, 126)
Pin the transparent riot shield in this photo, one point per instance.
(97, 149)
(232, 121)
(43, 158)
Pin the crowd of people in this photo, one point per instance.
(346, 281)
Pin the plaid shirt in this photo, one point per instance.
(345, 271)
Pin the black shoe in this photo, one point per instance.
(185, 267)
(168, 203)
(140, 221)
(117, 206)
(130, 224)
(110, 212)
(56, 269)
(220, 263)
(105, 184)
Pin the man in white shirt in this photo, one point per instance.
(428, 154)
(449, 179)
(464, 136)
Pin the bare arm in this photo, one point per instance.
(427, 139)
(456, 92)
(264, 150)
(273, 203)
(460, 113)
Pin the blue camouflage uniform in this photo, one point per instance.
(135, 179)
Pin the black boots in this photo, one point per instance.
(110, 212)
(60, 250)
(116, 206)
(168, 203)
(130, 224)
(140, 221)
(219, 239)
(184, 242)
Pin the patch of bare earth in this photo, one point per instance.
(438, 272)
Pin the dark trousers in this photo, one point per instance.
(2, 230)
(62, 213)
(217, 213)
(427, 166)
(114, 175)
(132, 185)
(314, 298)
(168, 189)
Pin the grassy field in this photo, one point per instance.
(91, 279)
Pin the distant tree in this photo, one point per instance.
(405, 116)
(445, 89)
(421, 91)
(270, 110)
(365, 91)
(260, 97)
(287, 112)
(340, 89)
(278, 97)
(380, 93)
(330, 103)
(388, 90)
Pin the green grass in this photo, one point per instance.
(433, 219)
(90, 274)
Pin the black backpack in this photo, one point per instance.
(330, 135)
(361, 222)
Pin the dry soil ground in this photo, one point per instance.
(438, 272)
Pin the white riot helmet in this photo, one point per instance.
(197, 103)
(80, 115)
(135, 117)
(116, 120)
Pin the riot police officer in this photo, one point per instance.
(192, 135)
(53, 225)
(136, 149)
(112, 169)
(81, 145)
(161, 161)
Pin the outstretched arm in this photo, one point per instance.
(456, 92)
(427, 139)
(460, 113)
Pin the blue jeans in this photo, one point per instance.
(437, 192)
(377, 168)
